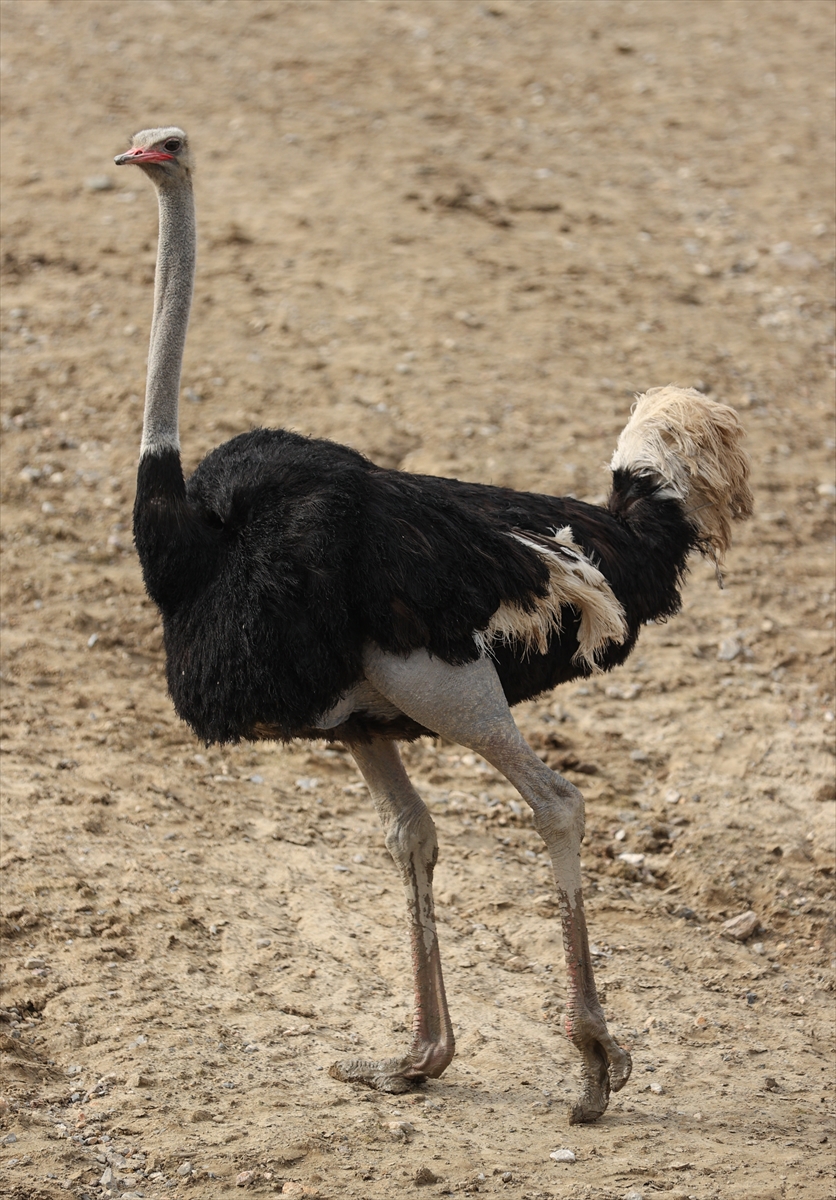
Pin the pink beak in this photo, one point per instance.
(140, 156)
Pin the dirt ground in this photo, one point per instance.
(458, 236)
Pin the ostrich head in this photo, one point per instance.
(682, 445)
(163, 154)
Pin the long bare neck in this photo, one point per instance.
(173, 284)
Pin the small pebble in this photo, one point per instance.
(424, 1177)
(34, 964)
(657, 1089)
(632, 860)
(618, 691)
(140, 1080)
(741, 927)
(400, 1130)
(185, 1169)
(729, 649)
(244, 1178)
(9, 1139)
(99, 183)
(562, 1156)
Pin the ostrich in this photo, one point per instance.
(307, 593)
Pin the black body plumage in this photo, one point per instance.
(282, 556)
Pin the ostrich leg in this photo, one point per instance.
(467, 705)
(411, 840)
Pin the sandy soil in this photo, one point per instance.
(458, 236)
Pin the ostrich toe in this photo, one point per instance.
(606, 1067)
(392, 1075)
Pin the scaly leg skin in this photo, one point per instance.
(467, 705)
(605, 1066)
(411, 840)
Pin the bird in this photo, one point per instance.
(307, 593)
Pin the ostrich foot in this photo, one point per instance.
(393, 1075)
(606, 1068)
(426, 1059)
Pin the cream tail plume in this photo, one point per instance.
(692, 446)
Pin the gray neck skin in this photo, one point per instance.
(173, 284)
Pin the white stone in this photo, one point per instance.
(729, 649)
(632, 860)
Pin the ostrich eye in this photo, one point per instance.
(172, 145)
